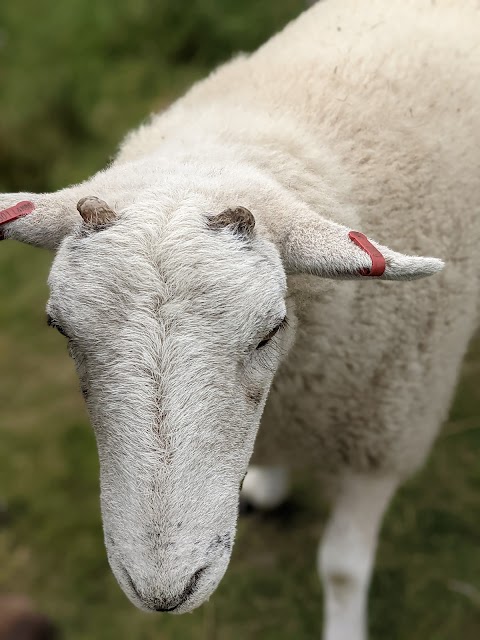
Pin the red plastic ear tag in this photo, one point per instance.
(17, 211)
(378, 261)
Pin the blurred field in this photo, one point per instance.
(75, 76)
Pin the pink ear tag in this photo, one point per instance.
(378, 261)
(17, 211)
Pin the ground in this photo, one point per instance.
(64, 106)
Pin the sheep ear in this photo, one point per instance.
(42, 220)
(330, 250)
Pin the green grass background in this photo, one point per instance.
(74, 77)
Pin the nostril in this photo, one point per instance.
(174, 603)
(194, 579)
(192, 585)
(131, 584)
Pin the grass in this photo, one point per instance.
(74, 77)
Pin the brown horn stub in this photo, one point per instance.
(95, 212)
(240, 219)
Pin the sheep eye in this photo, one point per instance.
(270, 335)
(53, 323)
(241, 483)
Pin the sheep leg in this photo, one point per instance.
(265, 488)
(347, 551)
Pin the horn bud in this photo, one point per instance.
(95, 212)
(240, 220)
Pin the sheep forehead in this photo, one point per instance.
(178, 266)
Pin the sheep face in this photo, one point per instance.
(176, 326)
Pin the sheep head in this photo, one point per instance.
(176, 334)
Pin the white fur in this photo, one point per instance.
(265, 488)
(347, 552)
(359, 115)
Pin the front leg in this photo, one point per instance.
(347, 552)
(265, 488)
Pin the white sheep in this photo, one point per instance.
(183, 296)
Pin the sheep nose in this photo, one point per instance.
(171, 603)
